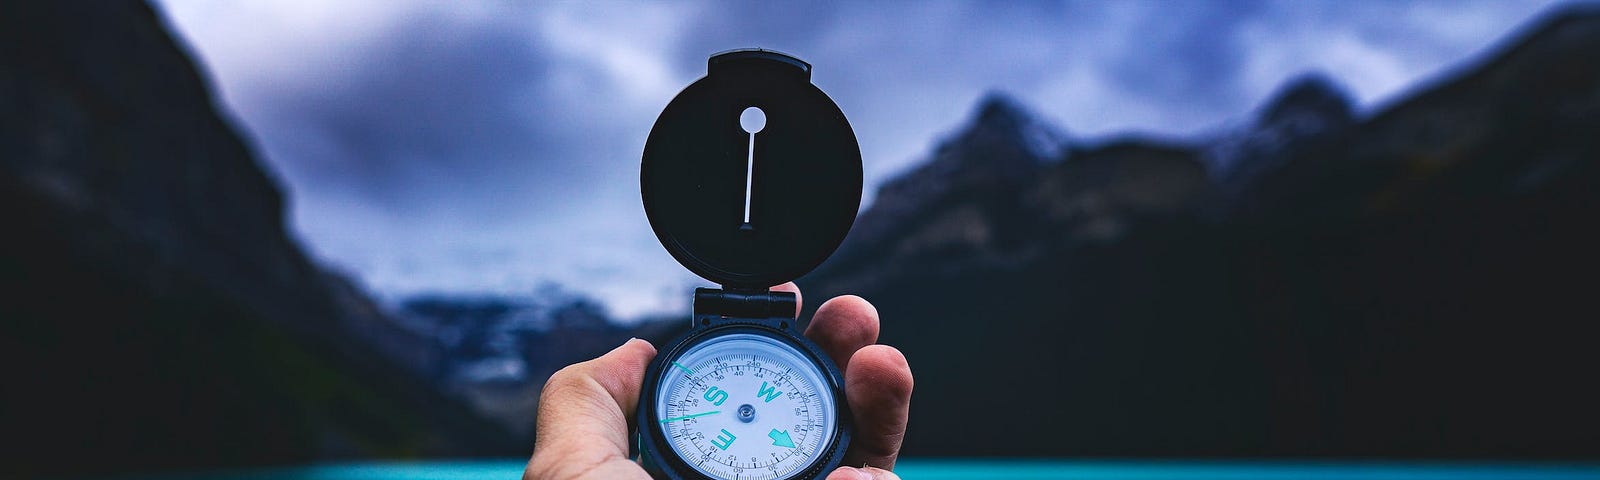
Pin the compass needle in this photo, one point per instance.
(686, 417)
(686, 370)
(752, 120)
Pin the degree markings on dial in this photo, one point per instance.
(782, 383)
(801, 433)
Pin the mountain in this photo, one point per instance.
(156, 312)
(496, 350)
(1309, 113)
(1405, 283)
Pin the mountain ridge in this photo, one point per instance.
(158, 314)
(1335, 297)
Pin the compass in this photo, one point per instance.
(750, 178)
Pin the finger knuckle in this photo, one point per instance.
(566, 379)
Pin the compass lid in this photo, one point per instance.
(804, 177)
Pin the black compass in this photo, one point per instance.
(751, 178)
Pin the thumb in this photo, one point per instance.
(863, 473)
(585, 409)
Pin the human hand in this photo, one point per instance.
(585, 409)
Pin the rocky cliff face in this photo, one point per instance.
(1015, 145)
(1407, 283)
(156, 311)
(1309, 113)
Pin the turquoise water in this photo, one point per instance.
(913, 469)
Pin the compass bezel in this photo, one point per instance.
(670, 464)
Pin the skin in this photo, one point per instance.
(586, 408)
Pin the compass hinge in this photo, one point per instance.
(744, 303)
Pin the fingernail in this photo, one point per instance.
(856, 473)
(640, 340)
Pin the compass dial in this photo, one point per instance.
(745, 406)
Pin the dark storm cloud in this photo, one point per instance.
(736, 24)
(442, 150)
(494, 146)
(1186, 57)
(434, 105)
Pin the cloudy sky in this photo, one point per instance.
(493, 147)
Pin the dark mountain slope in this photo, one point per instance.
(1408, 284)
(1432, 265)
(1309, 114)
(156, 313)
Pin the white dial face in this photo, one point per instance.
(744, 406)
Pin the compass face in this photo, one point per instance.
(746, 406)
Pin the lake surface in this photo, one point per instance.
(912, 469)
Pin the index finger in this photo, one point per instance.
(843, 325)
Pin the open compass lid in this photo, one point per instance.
(804, 177)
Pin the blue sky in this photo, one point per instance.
(493, 147)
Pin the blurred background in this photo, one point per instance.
(281, 232)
